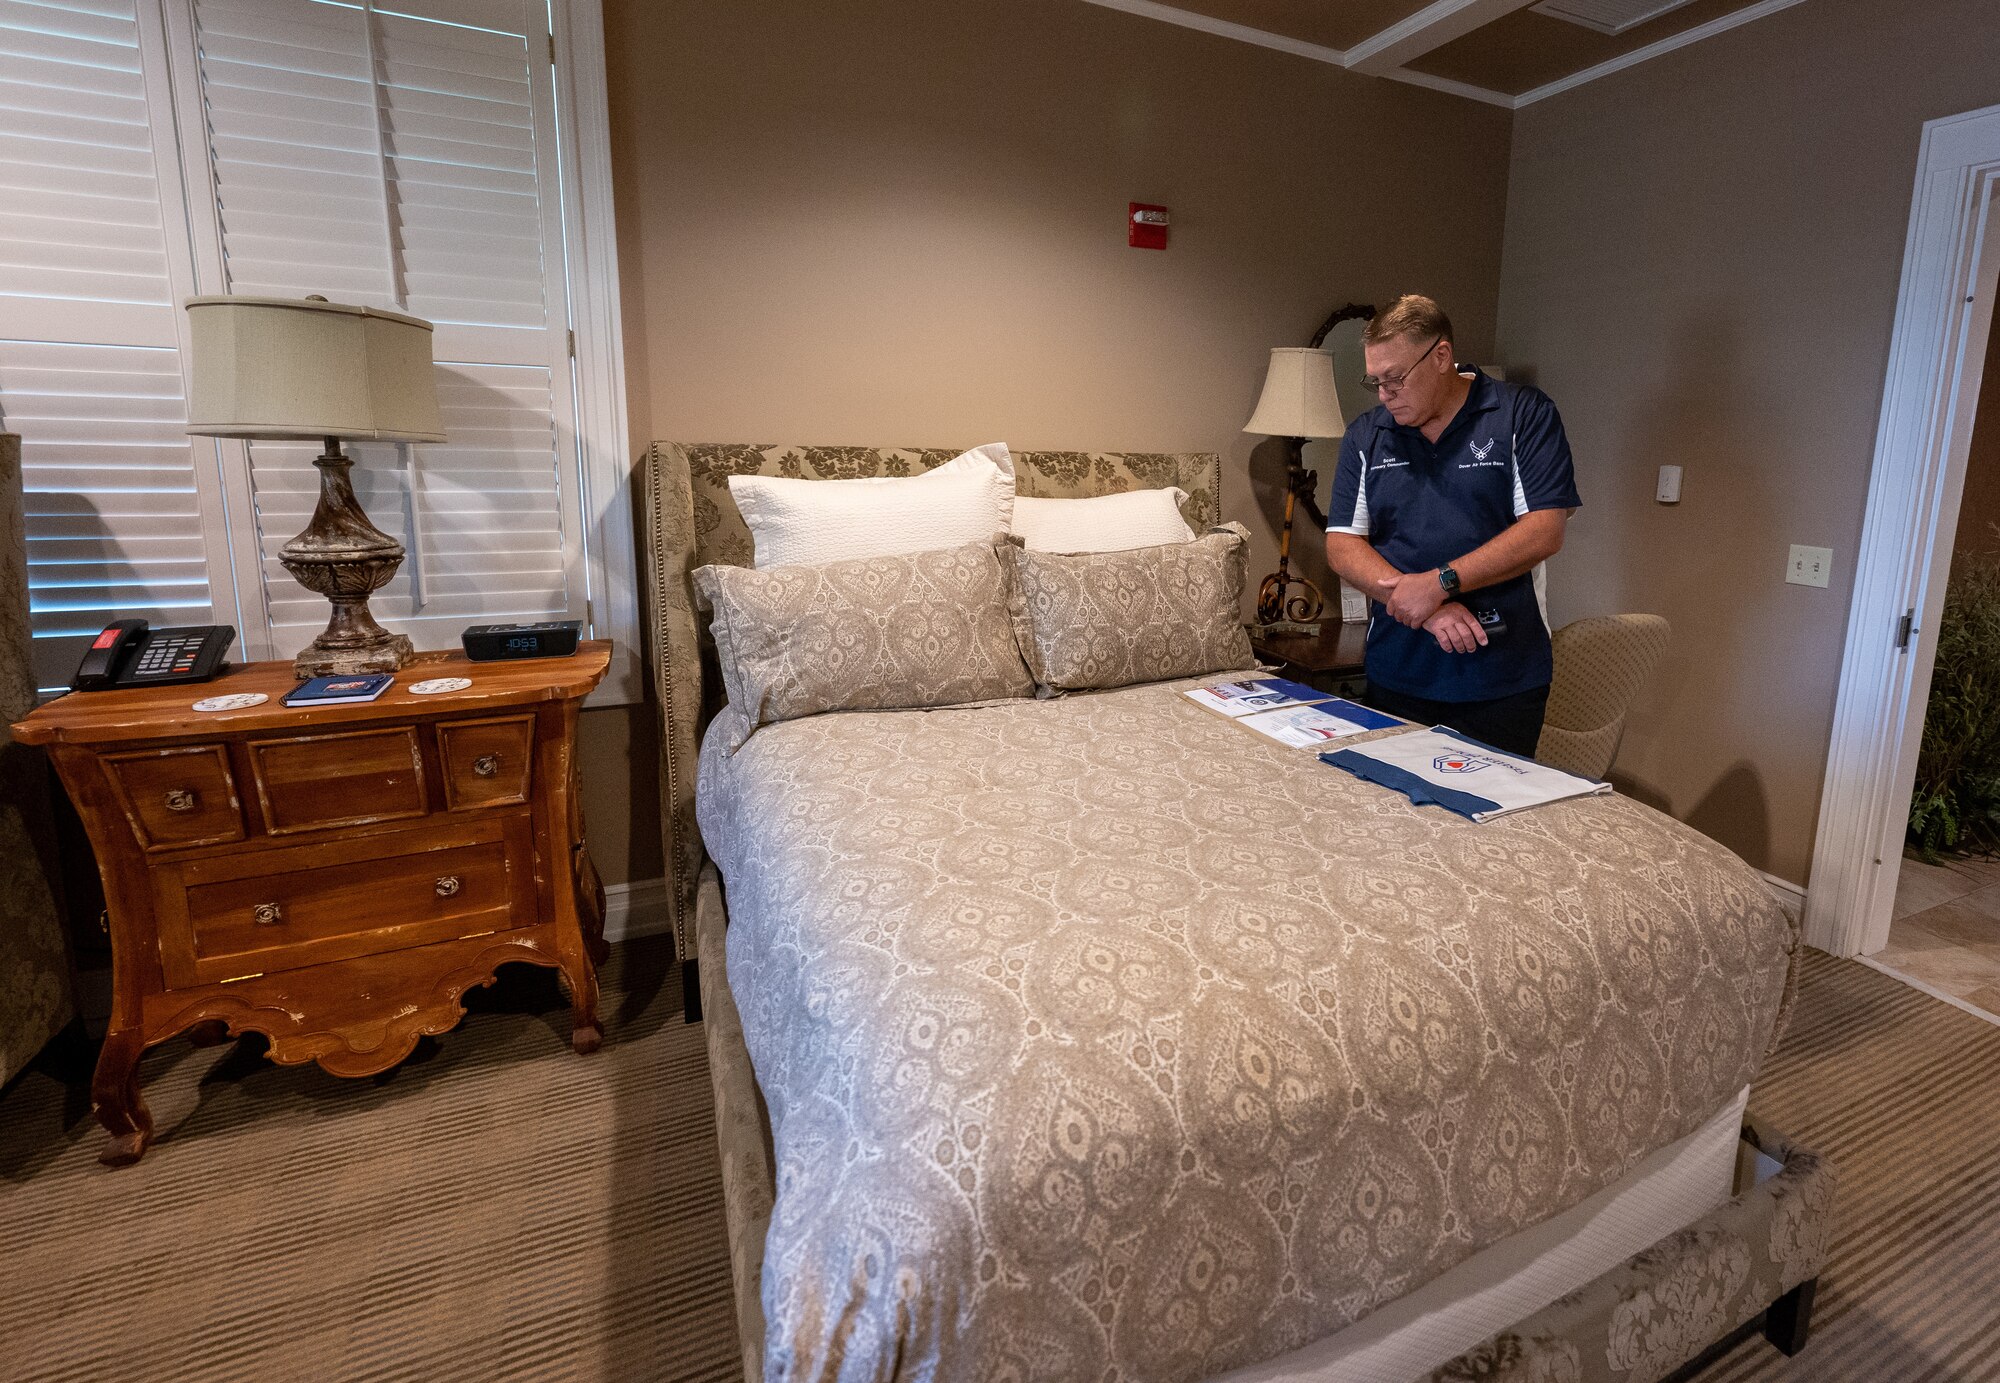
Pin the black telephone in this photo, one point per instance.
(128, 654)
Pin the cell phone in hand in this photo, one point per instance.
(1493, 622)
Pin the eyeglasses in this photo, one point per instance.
(1390, 384)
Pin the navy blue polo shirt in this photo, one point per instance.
(1424, 505)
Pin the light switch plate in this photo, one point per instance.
(1809, 566)
(1669, 489)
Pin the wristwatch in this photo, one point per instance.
(1448, 579)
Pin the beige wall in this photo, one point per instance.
(901, 222)
(618, 751)
(1702, 256)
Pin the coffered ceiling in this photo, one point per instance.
(1508, 52)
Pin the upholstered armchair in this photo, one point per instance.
(35, 992)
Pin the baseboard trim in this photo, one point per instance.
(636, 909)
(1791, 896)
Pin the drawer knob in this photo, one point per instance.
(486, 765)
(180, 799)
(268, 914)
(447, 885)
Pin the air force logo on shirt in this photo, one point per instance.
(1480, 451)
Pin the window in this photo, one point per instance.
(415, 154)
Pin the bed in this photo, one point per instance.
(1091, 1037)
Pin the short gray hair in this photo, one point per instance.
(1412, 315)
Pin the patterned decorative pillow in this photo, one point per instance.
(871, 633)
(1110, 619)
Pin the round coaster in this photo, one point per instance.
(235, 701)
(433, 685)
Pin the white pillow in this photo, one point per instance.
(1102, 523)
(792, 522)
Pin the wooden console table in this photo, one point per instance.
(336, 877)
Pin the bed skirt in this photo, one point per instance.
(1760, 1251)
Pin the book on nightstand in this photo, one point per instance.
(337, 690)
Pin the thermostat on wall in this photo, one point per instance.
(490, 643)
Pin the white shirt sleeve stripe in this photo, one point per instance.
(1358, 526)
(1514, 462)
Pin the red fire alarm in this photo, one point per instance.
(1146, 227)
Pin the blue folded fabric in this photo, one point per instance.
(1401, 780)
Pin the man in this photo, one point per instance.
(1446, 498)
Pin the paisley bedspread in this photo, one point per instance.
(1103, 1039)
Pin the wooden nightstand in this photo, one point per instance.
(1331, 660)
(335, 878)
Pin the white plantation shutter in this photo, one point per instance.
(90, 372)
(407, 159)
(403, 156)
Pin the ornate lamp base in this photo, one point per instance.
(321, 658)
(344, 557)
(1285, 598)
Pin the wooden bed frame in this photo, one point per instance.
(1777, 1223)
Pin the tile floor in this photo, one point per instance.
(1947, 928)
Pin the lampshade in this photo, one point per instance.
(1299, 398)
(292, 367)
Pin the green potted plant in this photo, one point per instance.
(1956, 806)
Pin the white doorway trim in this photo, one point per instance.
(1943, 310)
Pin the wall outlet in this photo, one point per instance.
(1809, 566)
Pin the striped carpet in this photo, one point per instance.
(500, 1209)
(497, 1208)
(1902, 1093)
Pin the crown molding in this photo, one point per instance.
(1449, 19)
(1411, 77)
(1223, 28)
(1722, 24)
(1433, 26)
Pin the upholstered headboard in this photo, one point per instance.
(691, 521)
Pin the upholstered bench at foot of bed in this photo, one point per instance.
(1759, 1254)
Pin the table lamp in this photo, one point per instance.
(1298, 403)
(289, 368)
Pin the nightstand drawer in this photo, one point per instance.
(354, 778)
(485, 762)
(250, 914)
(178, 797)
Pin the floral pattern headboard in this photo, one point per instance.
(691, 521)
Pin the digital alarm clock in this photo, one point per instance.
(491, 643)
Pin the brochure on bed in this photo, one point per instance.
(1254, 694)
(1102, 1038)
(1289, 712)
